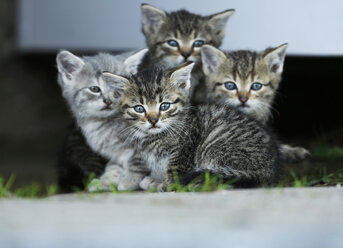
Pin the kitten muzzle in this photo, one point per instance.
(243, 99)
(108, 104)
(106, 108)
(153, 121)
(186, 55)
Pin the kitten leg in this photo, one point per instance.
(112, 175)
(130, 181)
(135, 171)
(179, 165)
(291, 154)
(150, 183)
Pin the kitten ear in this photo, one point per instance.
(68, 65)
(211, 58)
(274, 58)
(131, 63)
(152, 18)
(218, 21)
(116, 82)
(181, 76)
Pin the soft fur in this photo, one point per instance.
(187, 30)
(182, 139)
(245, 68)
(93, 112)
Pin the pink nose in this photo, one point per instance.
(107, 102)
(153, 120)
(186, 54)
(243, 99)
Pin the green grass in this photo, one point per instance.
(32, 190)
(207, 183)
(318, 177)
(324, 151)
(324, 169)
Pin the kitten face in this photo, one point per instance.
(88, 95)
(177, 37)
(154, 101)
(244, 79)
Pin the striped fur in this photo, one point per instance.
(185, 28)
(186, 139)
(245, 68)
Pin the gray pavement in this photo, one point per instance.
(305, 217)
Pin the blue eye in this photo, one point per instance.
(165, 106)
(198, 43)
(256, 86)
(94, 89)
(139, 109)
(230, 85)
(173, 43)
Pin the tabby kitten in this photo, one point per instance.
(92, 107)
(177, 37)
(248, 81)
(172, 39)
(170, 136)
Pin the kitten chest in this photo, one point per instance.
(101, 137)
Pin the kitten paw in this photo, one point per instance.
(294, 154)
(107, 181)
(130, 182)
(150, 183)
(94, 186)
(112, 175)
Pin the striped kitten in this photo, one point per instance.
(248, 81)
(170, 136)
(92, 104)
(176, 37)
(189, 31)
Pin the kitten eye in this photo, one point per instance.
(94, 89)
(164, 106)
(198, 43)
(173, 43)
(230, 85)
(139, 109)
(256, 86)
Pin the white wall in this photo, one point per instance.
(310, 27)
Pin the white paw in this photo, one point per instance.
(112, 175)
(95, 186)
(150, 183)
(108, 181)
(130, 182)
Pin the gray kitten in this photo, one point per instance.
(161, 29)
(172, 137)
(176, 37)
(92, 103)
(248, 81)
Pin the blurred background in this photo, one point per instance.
(34, 117)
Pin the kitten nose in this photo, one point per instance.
(185, 54)
(243, 99)
(153, 120)
(107, 102)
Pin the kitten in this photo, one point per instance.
(83, 87)
(248, 81)
(177, 37)
(189, 31)
(172, 137)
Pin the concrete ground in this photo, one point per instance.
(305, 217)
